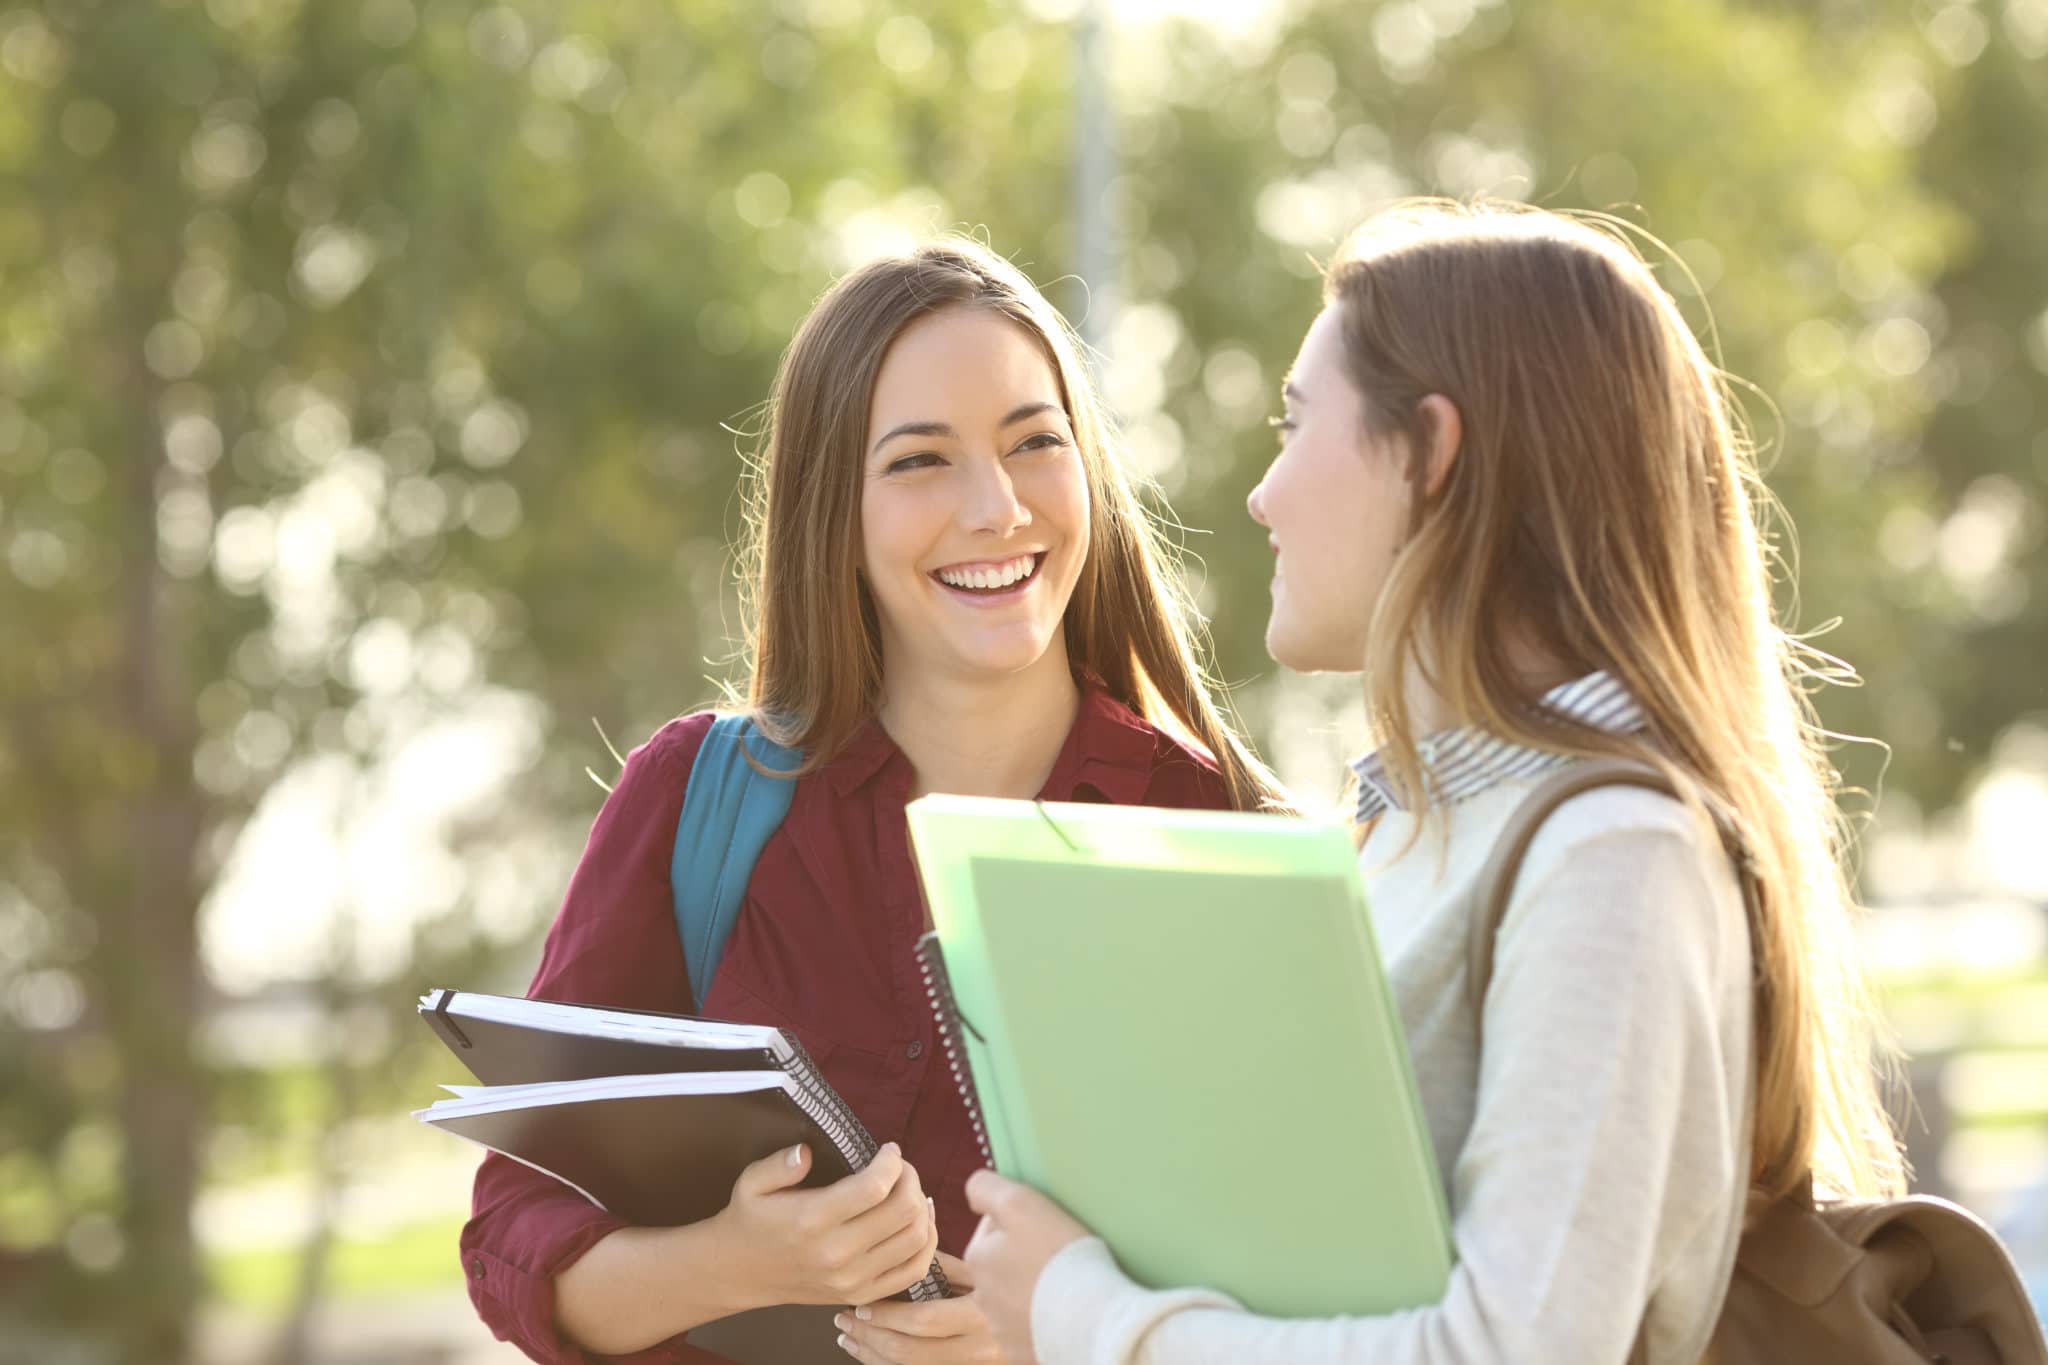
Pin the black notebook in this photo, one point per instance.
(652, 1117)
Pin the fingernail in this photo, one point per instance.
(864, 1313)
(839, 1321)
(933, 1205)
(844, 1344)
(796, 1155)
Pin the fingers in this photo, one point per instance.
(857, 1193)
(776, 1171)
(952, 1330)
(905, 1256)
(905, 1207)
(958, 1273)
(875, 1346)
(912, 1248)
(869, 1342)
(939, 1318)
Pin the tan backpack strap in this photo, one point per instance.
(1496, 884)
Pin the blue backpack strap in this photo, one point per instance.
(729, 810)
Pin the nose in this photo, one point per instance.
(991, 502)
(1255, 503)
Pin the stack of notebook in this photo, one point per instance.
(651, 1117)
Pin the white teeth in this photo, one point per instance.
(1002, 576)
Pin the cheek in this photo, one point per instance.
(891, 524)
(1077, 519)
(1058, 493)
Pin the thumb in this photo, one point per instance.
(988, 1193)
(776, 1171)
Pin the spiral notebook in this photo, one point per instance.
(652, 1117)
(1176, 1024)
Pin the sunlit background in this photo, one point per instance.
(374, 378)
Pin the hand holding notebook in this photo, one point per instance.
(662, 1118)
(852, 1242)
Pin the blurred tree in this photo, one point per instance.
(1774, 149)
(362, 366)
(368, 369)
(1965, 568)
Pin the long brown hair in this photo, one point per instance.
(814, 643)
(1605, 509)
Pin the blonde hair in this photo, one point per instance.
(1604, 511)
(814, 647)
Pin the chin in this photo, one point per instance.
(1002, 660)
(1282, 649)
(1299, 655)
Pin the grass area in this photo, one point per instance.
(417, 1257)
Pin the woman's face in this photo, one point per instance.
(974, 504)
(1337, 506)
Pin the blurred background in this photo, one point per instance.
(374, 380)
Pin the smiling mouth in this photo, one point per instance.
(991, 581)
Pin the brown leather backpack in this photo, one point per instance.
(1916, 1281)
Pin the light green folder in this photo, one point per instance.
(1177, 1026)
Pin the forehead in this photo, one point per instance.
(1320, 361)
(956, 362)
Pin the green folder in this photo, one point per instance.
(1175, 1023)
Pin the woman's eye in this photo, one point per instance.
(1283, 427)
(924, 459)
(1044, 440)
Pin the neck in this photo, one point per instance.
(1429, 711)
(982, 736)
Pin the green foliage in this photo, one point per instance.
(409, 1260)
(361, 364)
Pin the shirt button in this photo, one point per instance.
(476, 1269)
(914, 1051)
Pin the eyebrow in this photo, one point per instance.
(1015, 416)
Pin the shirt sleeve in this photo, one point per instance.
(614, 943)
(1603, 1139)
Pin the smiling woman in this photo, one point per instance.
(953, 587)
(974, 511)
(933, 417)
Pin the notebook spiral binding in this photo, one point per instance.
(829, 1110)
(938, 988)
(806, 1071)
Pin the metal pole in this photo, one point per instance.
(1096, 229)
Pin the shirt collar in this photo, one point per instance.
(1108, 748)
(1465, 761)
(866, 752)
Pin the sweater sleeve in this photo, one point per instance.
(613, 943)
(1603, 1141)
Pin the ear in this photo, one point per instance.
(1445, 428)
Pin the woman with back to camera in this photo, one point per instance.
(955, 588)
(1513, 492)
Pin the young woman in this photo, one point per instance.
(1512, 491)
(954, 588)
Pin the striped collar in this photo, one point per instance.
(1466, 761)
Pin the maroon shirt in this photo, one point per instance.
(824, 947)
